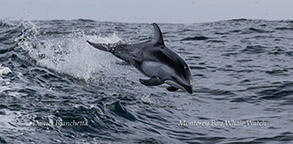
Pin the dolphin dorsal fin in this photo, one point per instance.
(158, 38)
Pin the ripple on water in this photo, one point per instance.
(195, 38)
(254, 49)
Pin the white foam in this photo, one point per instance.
(4, 83)
(10, 121)
(7, 119)
(4, 70)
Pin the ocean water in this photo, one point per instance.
(56, 88)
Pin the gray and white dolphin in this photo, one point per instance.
(155, 60)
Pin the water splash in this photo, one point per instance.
(69, 54)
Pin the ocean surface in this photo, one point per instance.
(56, 88)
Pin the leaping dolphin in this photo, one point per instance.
(155, 60)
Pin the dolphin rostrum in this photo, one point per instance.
(155, 60)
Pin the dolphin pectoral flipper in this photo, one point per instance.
(154, 81)
(172, 89)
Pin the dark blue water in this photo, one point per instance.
(55, 88)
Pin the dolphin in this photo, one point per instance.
(154, 60)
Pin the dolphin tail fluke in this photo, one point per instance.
(104, 47)
(99, 46)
